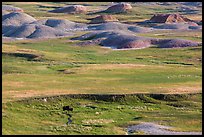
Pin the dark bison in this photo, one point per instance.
(68, 108)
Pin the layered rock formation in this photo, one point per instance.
(74, 9)
(118, 8)
(103, 19)
(169, 18)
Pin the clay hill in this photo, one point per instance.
(45, 28)
(16, 19)
(73, 9)
(103, 19)
(22, 25)
(121, 40)
(13, 20)
(61, 24)
(175, 43)
(36, 31)
(115, 39)
(118, 8)
(169, 18)
(178, 26)
(10, 8)
(117, 26)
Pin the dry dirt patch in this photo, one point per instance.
(14, 84)
(184, 89)
(113, 66)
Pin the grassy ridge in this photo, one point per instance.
(34, 116)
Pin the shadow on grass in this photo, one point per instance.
(29, 57)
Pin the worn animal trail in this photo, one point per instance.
(68, 108)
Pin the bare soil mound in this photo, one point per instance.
(118, 8)
(103, 19)
(196, 4)
(169, 18)
(119, 26)
(36, 31)
(8, 29)
(21, 32)
(115, 40)
(62, 24)
(95, 35)
(10, 8)
(28, 27)
(109, 26)
(13, 20)
(123, 40)
(71, 9)
(16, 19)
(178, 26)
(138, 29)
(176, 43)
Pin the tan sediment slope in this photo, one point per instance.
(103, 19)
(118, 8)
(169, 18)
(73, 9)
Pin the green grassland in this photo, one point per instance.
(56, 65)
(53, 67)
(34, 116)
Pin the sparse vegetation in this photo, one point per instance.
(151, 84)
(41, 117)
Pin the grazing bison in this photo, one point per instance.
(68, 108)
